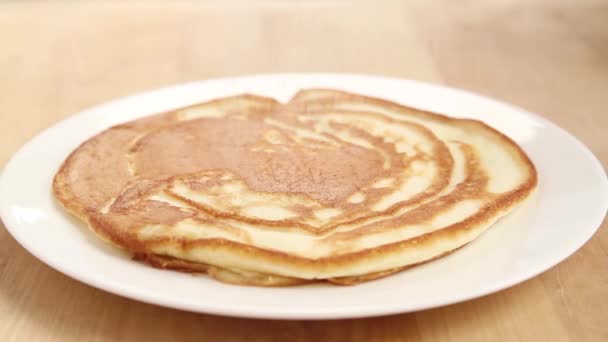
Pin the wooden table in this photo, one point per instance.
(550, 57)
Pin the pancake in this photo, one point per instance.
(331, 186)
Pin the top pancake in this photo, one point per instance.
(331, 185)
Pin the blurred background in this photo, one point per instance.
(72, 54)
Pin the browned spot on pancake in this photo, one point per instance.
(149, 212)
(135, 193)
(98, 172)
(326, 175)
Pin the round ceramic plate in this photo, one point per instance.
(563, 214)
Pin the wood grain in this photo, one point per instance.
(550, 57)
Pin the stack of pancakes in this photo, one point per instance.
(330, 186)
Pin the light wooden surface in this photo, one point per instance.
(550, 57)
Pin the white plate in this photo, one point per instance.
(565, 212)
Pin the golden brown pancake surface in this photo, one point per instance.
(330, 186)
